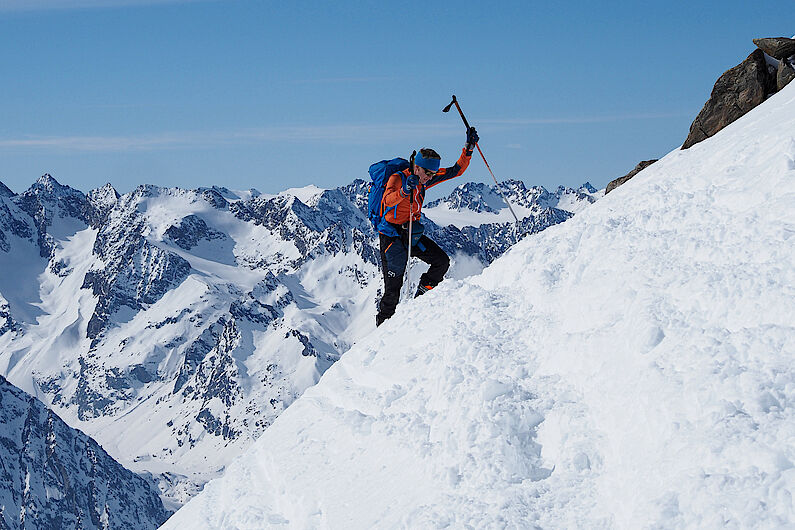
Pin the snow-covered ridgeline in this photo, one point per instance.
(629, 368)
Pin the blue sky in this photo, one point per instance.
(273, 95)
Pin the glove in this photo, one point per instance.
(472, 139)
(410, 183)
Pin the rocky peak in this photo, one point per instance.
(104, 197)
(357, 192)
(474, 196)
(5, 191)
(103, 200)
(216, 196)
(47, 200)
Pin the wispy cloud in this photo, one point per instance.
(341, 80)
(584, 119)
(352, 134)
(349, 134)
(62, 5)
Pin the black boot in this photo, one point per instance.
(422, 289)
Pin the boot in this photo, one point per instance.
(422, 289)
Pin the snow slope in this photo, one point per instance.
(629, 368)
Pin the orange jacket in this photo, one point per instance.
(396, 204)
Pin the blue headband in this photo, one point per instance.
(431, 164)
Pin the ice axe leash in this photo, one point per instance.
(466, 124)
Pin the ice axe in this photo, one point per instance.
(466, 124)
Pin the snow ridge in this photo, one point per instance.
(629, 368)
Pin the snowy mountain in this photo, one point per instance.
(174, 326)
(630, 368)
(480, 212)
(55, 477)
(476, 204)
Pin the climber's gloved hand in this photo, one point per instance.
(472, 139)
(410, 183)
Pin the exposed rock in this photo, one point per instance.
(215, 197)
(778, 47)
(7, 323)
(48, 201)
(737, 91)
(190, 231)
(619, 181)
(103, 200)
(786, 73)
(495, 238)
(53, 476)
(5, 192)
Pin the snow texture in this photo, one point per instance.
(629, 368)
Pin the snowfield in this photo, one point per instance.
(629, 368)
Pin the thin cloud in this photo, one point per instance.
(584, 119)
(356, 134)
(340, 80)
(350, 134)
(64, 5)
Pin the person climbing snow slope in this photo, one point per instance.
(402, 200)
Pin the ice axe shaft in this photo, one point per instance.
(466, 123)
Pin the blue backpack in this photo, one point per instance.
(380, 173)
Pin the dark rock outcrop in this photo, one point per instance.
(785, 74)
(619, 181)
(736, 92)
(777, 47)
(190, 231)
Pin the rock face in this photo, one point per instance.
(777, 47)
(5, 191)
(55, 477)
(785, 74)
(619, 181)
(737, 91)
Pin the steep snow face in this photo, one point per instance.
(629, 368)
(55, 477)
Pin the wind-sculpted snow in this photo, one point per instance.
(53, 477)
(629, 368)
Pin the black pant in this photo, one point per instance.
(394, 253)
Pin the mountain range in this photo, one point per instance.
(174, 326)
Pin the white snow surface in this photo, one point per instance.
(630, 368)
